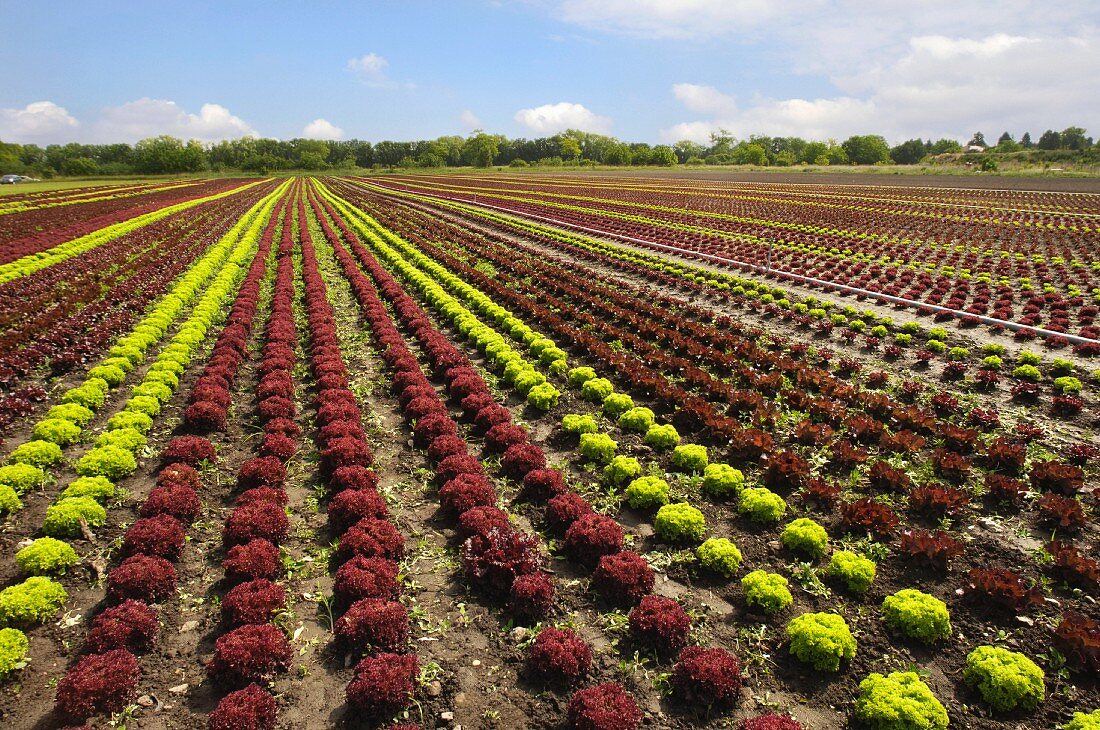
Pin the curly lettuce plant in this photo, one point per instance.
(822, 640)
(899, 701)
(917, 615)
(645, 492)
(760, 504)
(1005, 679)
(680, 522)
(766, 591)
(854, 571)
(722, 481)
(719, 555)
(806, 537)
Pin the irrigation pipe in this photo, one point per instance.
(921, 307)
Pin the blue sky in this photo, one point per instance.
(650, 70)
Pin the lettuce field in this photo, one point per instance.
(549, 451)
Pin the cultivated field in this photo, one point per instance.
(549, 451)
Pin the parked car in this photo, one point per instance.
(13, 179)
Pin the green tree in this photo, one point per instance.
(1073, 138)
(944, 146)
(685, 149)
(978, 140)
(664, 156)
(908, 153)
(481, 149)
(1050, 140)
(618, 154)
(167, 154)
(1025, 141)
(569, 148)
(815, 153)
(866, 149)
(79, 167)
(750, 154)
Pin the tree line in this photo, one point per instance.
(166, 154)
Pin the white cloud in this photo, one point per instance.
(470, 120)
(704, 99)
(690, 19)
(936, 86)
(553, 118)
(372, 68)
(147, 117)
(322, 129)
(40, 121)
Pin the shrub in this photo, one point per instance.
(623, 578)
(22, 477)
(720, 555)
(638, 419)
(661, 624)
(706, 677)
(46, 556)
(855, 571)
(1006, 679)
(822, 640)
(917, 615)
(680, 522)
(596, 389)
(37, 453)
(621, 469)
(617, 404)
(645, 492)
(722, 481)
(250, 708)
(63, 518)
(373, 624)
(805, 536)
(543, 396)
(603, 707)
(578, 424)
(107, 461)
(98, 683)
(766, 591)
(592, 536)
(760, 504)
(383, 684)
(31, 602)
(559, 655)
(598, 447)
(662, 437)
(98, 488)
(131, 625)
(254, 653)
(13, 650)
(899, 701)
(58, 431)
